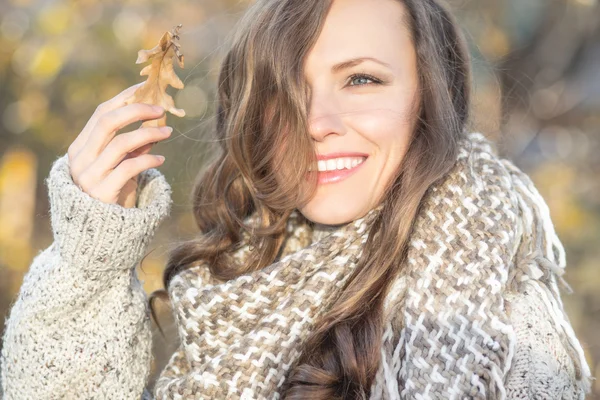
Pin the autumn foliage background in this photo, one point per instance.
(536, 67)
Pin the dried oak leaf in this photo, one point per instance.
(160, 74)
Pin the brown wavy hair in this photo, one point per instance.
(263, 103)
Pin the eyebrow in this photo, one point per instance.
(355, 61)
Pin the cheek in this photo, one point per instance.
(388, 129)
(389, 132)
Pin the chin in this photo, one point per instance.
(327, 214)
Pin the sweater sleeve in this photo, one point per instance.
(80, 325)
(547, 363)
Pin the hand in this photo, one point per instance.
(105, 165)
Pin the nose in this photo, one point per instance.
(324, 117)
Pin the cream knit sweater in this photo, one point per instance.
(80, 326)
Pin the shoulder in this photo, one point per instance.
(548, 360)
(483, 262)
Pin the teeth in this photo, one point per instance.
(339, 163)
(331, 164)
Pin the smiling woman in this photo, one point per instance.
(355, 241)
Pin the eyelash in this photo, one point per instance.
(362, 75)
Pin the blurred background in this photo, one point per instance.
(536, 86)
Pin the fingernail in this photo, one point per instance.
(158, 109)
(161, 158)
(166, 129)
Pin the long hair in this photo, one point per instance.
(263, 103)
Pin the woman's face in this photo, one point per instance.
(359, 118)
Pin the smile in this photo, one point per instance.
(337, 169)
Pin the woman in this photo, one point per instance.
(355, 242)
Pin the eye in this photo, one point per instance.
(357, 77)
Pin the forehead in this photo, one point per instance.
(361, 28)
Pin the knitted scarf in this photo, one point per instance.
(482, 230)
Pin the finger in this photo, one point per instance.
(128, 194)
(107, 126)
(127, 170)
(109, 105)
(126, 143)
(145, 149)
(142, 150)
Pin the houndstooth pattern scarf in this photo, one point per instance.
(482, 230)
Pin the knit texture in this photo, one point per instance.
(79, 328)
(475, 312)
